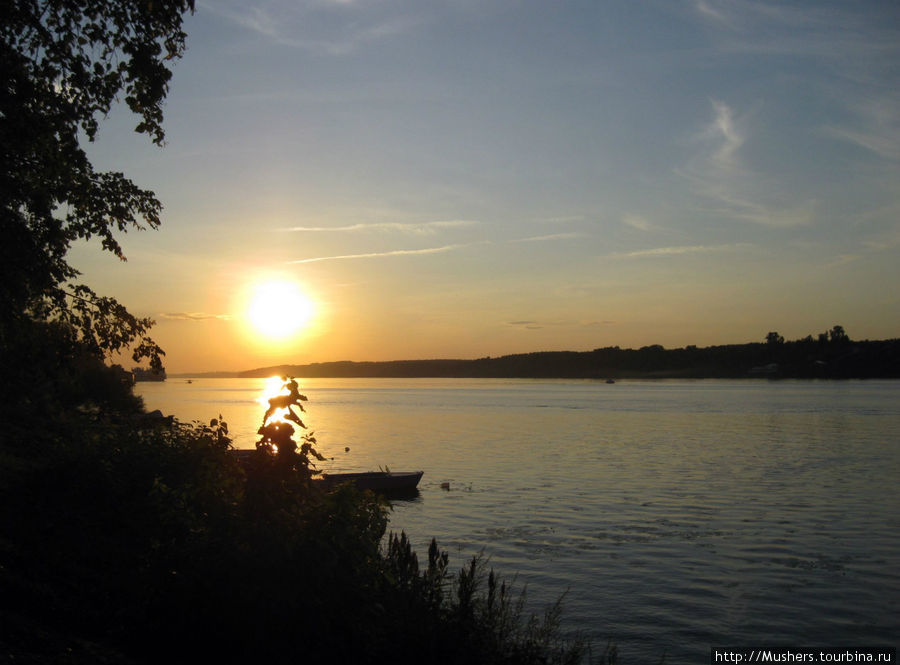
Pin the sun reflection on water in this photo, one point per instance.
(273, 387)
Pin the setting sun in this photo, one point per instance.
(279, 309)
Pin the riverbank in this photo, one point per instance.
(825, 358)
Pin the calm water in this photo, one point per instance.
(678, 514)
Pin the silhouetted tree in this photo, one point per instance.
(774, 339)
(62, 65)
(837, 335)
(276, 436)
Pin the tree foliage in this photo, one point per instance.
(63, 64)
(130, 538)
(169, 547)
(831, 355)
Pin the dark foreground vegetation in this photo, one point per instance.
(132, 539)
(830, 355)
(128, 538)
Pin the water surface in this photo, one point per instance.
(678, 514)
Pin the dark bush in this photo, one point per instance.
(129, 539)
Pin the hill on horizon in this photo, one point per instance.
(831, 355)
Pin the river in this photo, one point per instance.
(676, 515)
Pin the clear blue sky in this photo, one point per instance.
(471, 178)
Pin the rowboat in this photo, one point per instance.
(393, 483)
(390, 483)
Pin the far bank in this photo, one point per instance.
(833, 355)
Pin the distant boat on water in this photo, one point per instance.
(142, 374)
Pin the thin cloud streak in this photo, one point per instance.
(425, 228)
(291, 25)
(678, 251)
(877, 128)
(563, 219)
(540, 325)
(708, 10)
(640, 223)
(373, 255)
(526, 325)
(552, 236)
(194, 316)
(828, 33)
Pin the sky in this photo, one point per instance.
(474, 178)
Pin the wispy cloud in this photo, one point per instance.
(718, 174)
(725, 132)
(752, 15)
(194, 316)
(540, 325)
(373, 255)
(526, 325)
(851, 49)
(876, 127)
(640, 223)
(720, 141)
(711, 11)
(679, 251)
(887, 239)
(423, 228)
(333, 27)
(562, 219)
(843, 259)
(837, 35)
(552, 236)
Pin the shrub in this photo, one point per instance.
(138, 540)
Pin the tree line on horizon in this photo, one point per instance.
(831, 354)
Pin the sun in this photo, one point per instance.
(279, 309)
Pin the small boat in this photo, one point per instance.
(392, 483)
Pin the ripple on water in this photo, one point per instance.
(677, 514)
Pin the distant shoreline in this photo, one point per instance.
(801, 359)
